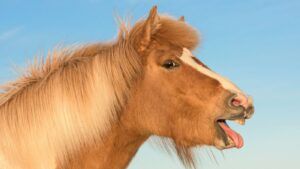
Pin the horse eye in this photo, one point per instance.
(170, 64)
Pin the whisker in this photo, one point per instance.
(214, 157)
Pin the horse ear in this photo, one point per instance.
(151, 25)
(181, 19)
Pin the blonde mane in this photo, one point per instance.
(65, 101)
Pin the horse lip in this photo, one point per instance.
(232, 117)
(238, 118)
(249, 112)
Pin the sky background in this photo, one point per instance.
(255, 43)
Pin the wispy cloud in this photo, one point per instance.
(10, 33)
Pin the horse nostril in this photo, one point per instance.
(235, 102)
(238, 100)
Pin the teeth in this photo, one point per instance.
(240, 121)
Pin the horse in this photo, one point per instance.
(93, 106)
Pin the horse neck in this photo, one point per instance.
(117, 149)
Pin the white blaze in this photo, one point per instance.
(186, 57)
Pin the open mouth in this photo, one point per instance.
(231, 137)
(239, 109)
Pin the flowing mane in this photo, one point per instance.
(67, 100)
(44, 68)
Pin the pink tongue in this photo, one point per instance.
(237, 138)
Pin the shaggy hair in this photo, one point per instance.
(73, 95)
(66, 100)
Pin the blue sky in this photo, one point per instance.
(254, 43)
